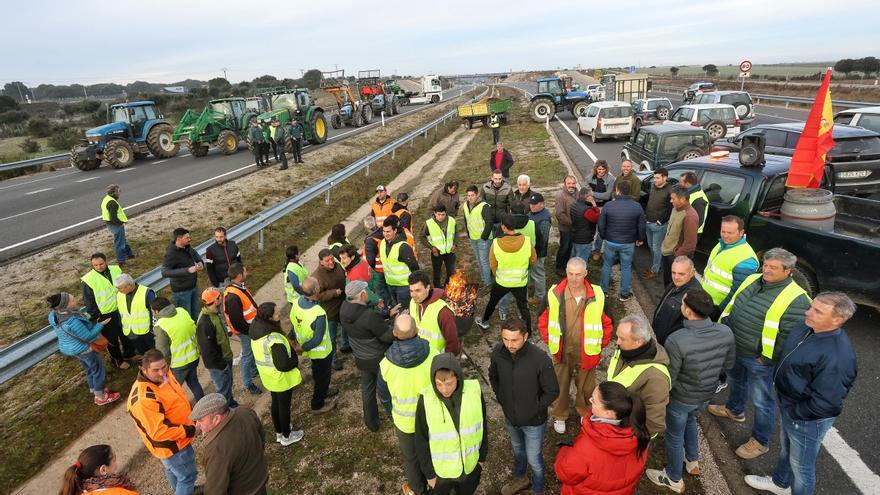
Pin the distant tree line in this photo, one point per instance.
(866, 65)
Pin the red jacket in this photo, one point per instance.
(587, 362)
(603, 460)
(360, 271)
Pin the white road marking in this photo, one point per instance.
(124, 170)
(36, 180)
(39, 191)
(851, 462)
(578, 141)
(87, 179)
(778, 117)
(188, 154)
(160, 161)
(33, 211)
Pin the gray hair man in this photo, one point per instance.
(667, 317)
(640, 365)
(761, 313)
(133, 303)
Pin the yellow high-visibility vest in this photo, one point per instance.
(593, 332)
(699, 194)
(136, 319)
(718, 276)
(513, 268)
(454, 451)
(302, 320)
(104, 290)
(443, 241)
(404, 385)
(429, 323)
(473, 217)
(105, 213)
(396, 271)
(273, 379)
(181, 330)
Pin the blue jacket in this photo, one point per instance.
(542, 228)
(815, 374)
(622, 221)
(408, 353)
(740, 271)
(318, 325)
(75, 324)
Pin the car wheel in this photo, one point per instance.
(742, 110)
(689, 154)
(662, 113)
(716, 129)
(593, 136)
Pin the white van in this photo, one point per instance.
(719, 119)
(606, 119)
(868, 117)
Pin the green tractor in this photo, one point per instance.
(221, 124)
(285, 104)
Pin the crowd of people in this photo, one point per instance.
(759, 334)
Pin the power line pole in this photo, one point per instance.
(224, 69)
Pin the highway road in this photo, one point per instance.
(39, 210)
(850, 460)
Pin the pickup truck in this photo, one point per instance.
(846, 259)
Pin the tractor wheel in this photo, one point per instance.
(227, 142)
(198, 150)
(357, 119)
(160, 141)
(368, 114)
(288, 145)
(468, 124)
(396, 106)
(579, 109)
(541, 109)
(389, 107)
(336, 121)
(84, 165)
(318, 127)
(119, 154)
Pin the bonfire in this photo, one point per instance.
(461, 296)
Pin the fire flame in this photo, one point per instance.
(460, 295)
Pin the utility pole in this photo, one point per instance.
(224, 69)
(20, 95)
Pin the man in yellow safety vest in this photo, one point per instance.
(440, 235)
(176, 338)
(100, 302)
(451, 429)
(398, 261)
(495, 125)
(697, 198)
(115, 219)
(312, 331)
(435, 320)
(133, 303)
(761, 313)
(730, 262)
(478, 220)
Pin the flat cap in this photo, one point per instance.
(354, 288)
(210, 404)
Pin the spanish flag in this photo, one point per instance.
(808, 161)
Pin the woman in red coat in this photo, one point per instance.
(608, 457)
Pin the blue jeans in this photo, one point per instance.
(120, 244)
(481, 254)
(223, 383)
(189, 373)
(581, 251)
(188, 300)
(247, 363)
(343, 338)
(564, 251)
(655, 234)
(528, 445)
(625, 252)
(800, 442)
(181, 471)
(681, 436)
(538, 278)
(597, 243)
(400, 295)
(333, 326)
(95, 375)
(750, 377)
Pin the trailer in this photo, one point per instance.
(483, 109)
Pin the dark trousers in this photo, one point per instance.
(411, 470)
(466, 486)
(372, 385)
(666, 266)
(120, 348)
(281, 411)
(564, 252)
(521, 294)
(282, 157)
(297, 150)
(437, 263)
(258, 155)
(141, 343)
(496, 135)
(321, 369)
(266, 148)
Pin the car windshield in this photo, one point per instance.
(616, 112)
(222, 107)
(120, 114)
(868, 145)
(287, 100)
(683, 115)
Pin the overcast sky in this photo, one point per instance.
(67, 41)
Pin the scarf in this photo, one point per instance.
(646, 351)
(107, 481)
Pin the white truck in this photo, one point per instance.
(431, 91)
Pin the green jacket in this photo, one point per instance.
(255, 134)
(295, 131)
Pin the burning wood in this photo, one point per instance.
(460, 295)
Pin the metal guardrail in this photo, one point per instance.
(780, 98)
(29, 351)
(33, 162)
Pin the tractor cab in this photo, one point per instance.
(552, 86)
(134, 115)
(232, 108)
(256, 104)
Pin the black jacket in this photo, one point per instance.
(217, 261)
(582, 230)
(206, 336)
(235, 309)
(369, 334)
(524, 384)
(88, 298)
(280, 358)
(506, 162)
(667, 315)
(175, 265)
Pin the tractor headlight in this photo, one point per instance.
(93, 138)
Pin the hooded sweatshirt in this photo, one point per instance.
(453, 406)
(446, 321)
(163, 341)
(510, 243)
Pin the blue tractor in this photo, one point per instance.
(552, 97)
(133, 130)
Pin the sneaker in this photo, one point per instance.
(278, 437)
(254, 390)
(624, 298)
(751, 449)
(766, 483)
(559, 426)
(660, 478)
(480, 323)
(328, 406)
(649, 275)
(516, 485)
(332, 391)
(406, 490)
(295, 436)
(722, 411)
(721, 386)
(108, 398)
(692, 467)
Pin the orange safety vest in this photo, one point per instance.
(114, 490)
(161, 415)
(382, 210)
(411, 240)
(248, 305)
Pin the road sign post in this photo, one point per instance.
(744, 67)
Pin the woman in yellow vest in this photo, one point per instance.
(278, 366)
(451, 436)
(95, 472)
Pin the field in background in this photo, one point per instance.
(775, 70)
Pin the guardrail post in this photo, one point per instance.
(366, 171)
(327, 197)
(393, 152)
(786, 104)
(547, 122)
(260, 242)
(383, 118)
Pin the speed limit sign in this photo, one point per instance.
(745, 66)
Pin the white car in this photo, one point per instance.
(596, 92)
(606, 119)
(719, 119)
(868, 117)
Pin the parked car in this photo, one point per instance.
(606, 119)
(868, 117)
(650, 111)
(655, 146)
(846, 259)
(741, 101)
(596, 92)
(719, 119)
(855, 158)
(701, 86)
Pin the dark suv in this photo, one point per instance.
(688, 94)
(741, 101)
(654, 146)
(855, 158)
(650, 111)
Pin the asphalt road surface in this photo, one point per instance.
(850, 460)
(39, 210)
